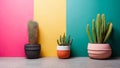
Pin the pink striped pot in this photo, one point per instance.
(99, 51)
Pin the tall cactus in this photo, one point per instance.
(63, 40)
(100, 32)
(33, 32)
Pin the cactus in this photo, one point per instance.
(63, 40)
(33, 32)
(100, 32)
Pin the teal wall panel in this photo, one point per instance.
(81, 12)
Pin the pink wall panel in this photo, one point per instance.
(14, 15)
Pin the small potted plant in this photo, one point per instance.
(63, 48)
(98, 48)
(32, 49)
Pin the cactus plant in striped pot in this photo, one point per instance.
(32, 49)
(98, 48)
(63, 48)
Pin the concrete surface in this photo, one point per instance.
(51, 62)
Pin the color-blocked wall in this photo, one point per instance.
(81, 12)
(14, 15)
(54, 17)
(51, 16)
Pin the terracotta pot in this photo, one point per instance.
(99, 51)
(63, 52)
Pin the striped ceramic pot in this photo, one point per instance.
(99, 51)
(63, 52)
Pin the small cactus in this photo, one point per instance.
(63, 40)
(33, 32)
(100, 32)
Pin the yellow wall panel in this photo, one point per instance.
(51, 16)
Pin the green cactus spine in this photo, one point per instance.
(63, 40)
(33, 32)
(100, 32)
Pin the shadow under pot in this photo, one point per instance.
(99, 51)
(63, 52)
(32, 51)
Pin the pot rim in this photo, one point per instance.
(63, 47)
(98, 43)
(105, 46)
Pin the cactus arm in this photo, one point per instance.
(61, 40)
(103, 21)
(88, 33)
(64, 39)
(101, 31)
(103, 27)
(94, 31)
(58, 42)
(98, 27)
(108, 32)
(68, 41)
(101, 34)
